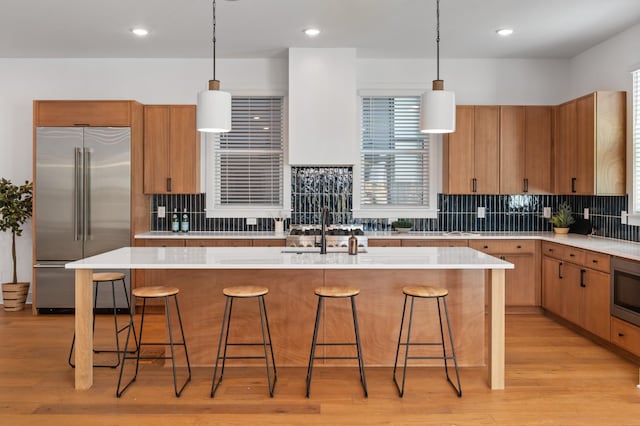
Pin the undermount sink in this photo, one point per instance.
(301, 250)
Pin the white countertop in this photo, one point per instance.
(274, 258)
(222, 235)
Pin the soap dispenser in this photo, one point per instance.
(353, 244)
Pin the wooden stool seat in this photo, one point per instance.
(107, 276)
(425, 291)
(245, 291)
(337, 291)
(155, 291)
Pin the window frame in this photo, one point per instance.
(248, 211)
(434, 176)
(633, 217)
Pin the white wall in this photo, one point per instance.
(608, 66)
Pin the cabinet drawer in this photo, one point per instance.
(383, 242)
(435, 243)
(598, 261)
(83, 113)
(168, 242)
(566, 253)
(280, 242)
(504, 246)
(625, 335)
(219, 243)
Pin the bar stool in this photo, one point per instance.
(98, 279)
(155, 293)
(337, 292)
(245, 292)
(426, 292)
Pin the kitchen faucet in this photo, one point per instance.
(324, 219)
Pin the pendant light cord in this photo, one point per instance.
(437, 39)
(214, 39)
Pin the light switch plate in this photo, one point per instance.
(546, 212)
(252, 221)
(161, 212)
(481, 212)
(623, 217)
(586, 213)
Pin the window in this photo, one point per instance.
(397, 177)
(636, 141)
(245, 167)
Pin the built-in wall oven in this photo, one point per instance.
(625, 290)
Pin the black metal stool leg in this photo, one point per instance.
(363, 378)
(120, 391)
(406, 345)
(223, 331)
(453, 349)
(129, 310)
(263, 316)
(313, 345)
(183, 343)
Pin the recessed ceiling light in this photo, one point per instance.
(141, 32)
(504, 32)
(312, 32)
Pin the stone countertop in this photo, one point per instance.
(620, 248)
(286, 258)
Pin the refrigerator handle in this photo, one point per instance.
(86, 187)
(77, 193)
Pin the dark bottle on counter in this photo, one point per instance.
(175, 221)
(353, 244)
(184, 224)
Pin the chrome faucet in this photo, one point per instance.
(324, 218)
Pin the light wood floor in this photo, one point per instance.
(553, 377)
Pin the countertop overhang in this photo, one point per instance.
(275, 258)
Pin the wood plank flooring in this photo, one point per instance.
(553, 377)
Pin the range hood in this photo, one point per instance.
(323, 107)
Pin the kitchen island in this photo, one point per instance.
(291, 276)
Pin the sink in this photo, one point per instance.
(301, 250)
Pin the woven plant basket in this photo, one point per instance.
(14, 295)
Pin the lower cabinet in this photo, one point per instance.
(576, 293)
(625, 335)
(522, 284)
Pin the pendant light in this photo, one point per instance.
(438, 106)
(213, 113)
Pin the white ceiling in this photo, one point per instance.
(266, 28)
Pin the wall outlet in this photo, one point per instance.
(623, 217)
(546, 212)
(586, 213)
(252, 221)
(481, 212)
(161, 212)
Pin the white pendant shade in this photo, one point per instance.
(438, 112)
(213, 113)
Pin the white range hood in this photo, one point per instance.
(323, 107)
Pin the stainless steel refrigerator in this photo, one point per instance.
(83, 186)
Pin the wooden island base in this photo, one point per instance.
(291, 305)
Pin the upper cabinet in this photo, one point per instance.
(525, 149)
(471, 153)
(323, 107)
(83, 113)
(171, 150)
(590, 145)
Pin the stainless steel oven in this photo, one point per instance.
(625, 290)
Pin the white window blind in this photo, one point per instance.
(395, 156)
(636, 139)
(249, 160)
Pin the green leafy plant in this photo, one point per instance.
(564, 218)
(402, 224)
(16, 202)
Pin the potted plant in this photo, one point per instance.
(15, 210)
(563, 219)
(402, 225)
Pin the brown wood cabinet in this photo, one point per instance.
(171, 150)
(434, 243)
(471, 154)
(575, 291)
(214, 242)
(83, 113)
(525, 149)
(625, 335)
(522, 284)
(590, 145)
(384, 242)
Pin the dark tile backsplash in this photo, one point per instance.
(315, 187)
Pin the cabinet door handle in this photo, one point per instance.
(572, 255)
(526, 185)
(168, 184)
(474, 185)
(594, 261)
(582, 272)
(519, 247)
(486, 247)
(560, 270)
(573, 184)
(620, 334)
